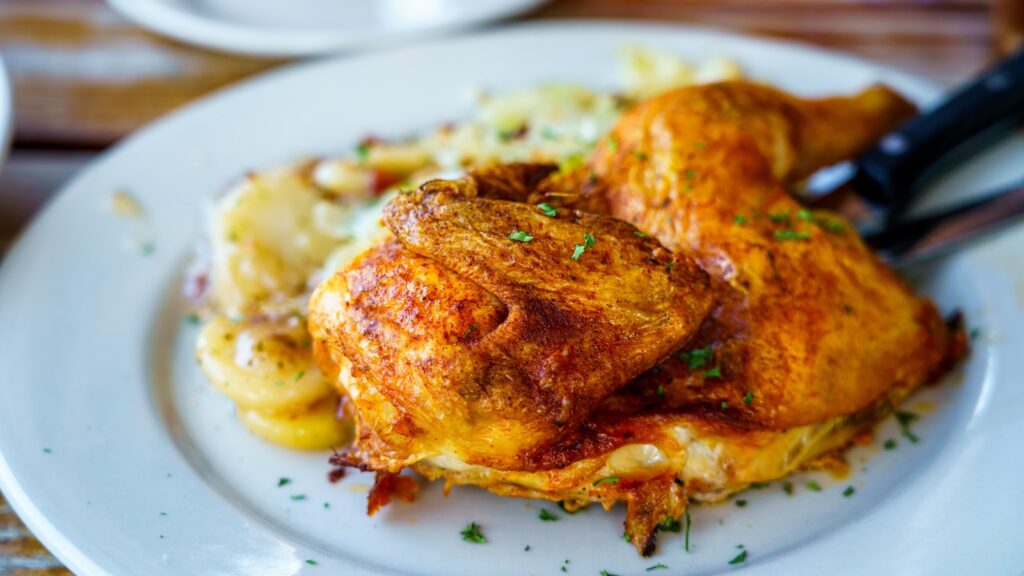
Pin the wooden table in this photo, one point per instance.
(83, 78)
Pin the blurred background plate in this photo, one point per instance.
(307, 27)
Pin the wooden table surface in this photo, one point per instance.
(83, 78)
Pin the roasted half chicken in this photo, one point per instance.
(664, 323)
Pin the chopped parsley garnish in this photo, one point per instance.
(520, 236)
(787, 487)
(849, 491)
(748, 398)
(640, 155)
(163, 513)
(298, 497)
(686, 540)
(547, 209)
(577, 251)
(589, 241)
(639, 234)
(670, 265)
(805, 215)
(792, 235)
(298, 375)
(607, 573)
(311, 562)
(472, 533)
(47, 451)
(691, 174)
(670, 524)
(813, 486)
(510, 134)
(725, 404)
(148, 248)
(740, 220)
(759, 485)
(282, 481)
(698, 146)
(192, 318)
(778, 217)
(975, 333)
(660, 391)
(547, 516)
(715, 372)
(905, 419)
(832, 226)
(658, 566)
(890, 444)
(613, 144)
(741, 503)
(606, 480)
(741, 557)
(696, 358)
(363, 150)
(565, 565)
(527, 548)
(625, 536)
(327, 505)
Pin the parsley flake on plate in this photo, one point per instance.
(471, 533)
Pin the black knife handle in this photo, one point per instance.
(890, 173)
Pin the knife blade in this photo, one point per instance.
(914, 241)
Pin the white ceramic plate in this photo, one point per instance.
(307, 27)
(120, 457)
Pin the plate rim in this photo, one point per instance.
(232, 38)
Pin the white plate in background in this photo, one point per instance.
(122, 459)
(307, 27)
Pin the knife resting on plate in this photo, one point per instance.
(883, 181)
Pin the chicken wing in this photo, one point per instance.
(489, 329)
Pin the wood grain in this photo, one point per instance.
(84, 78)
(20, 553)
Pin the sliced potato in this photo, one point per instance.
(262, 365)
(316, 429)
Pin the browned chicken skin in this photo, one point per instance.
(526, 341)
(511, 366)
(809, 322)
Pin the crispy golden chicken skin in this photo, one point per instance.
(809, 338)
(489, 329)
(809, 323)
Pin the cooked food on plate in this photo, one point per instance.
(650, 318)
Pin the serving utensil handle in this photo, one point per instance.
(890, 173)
